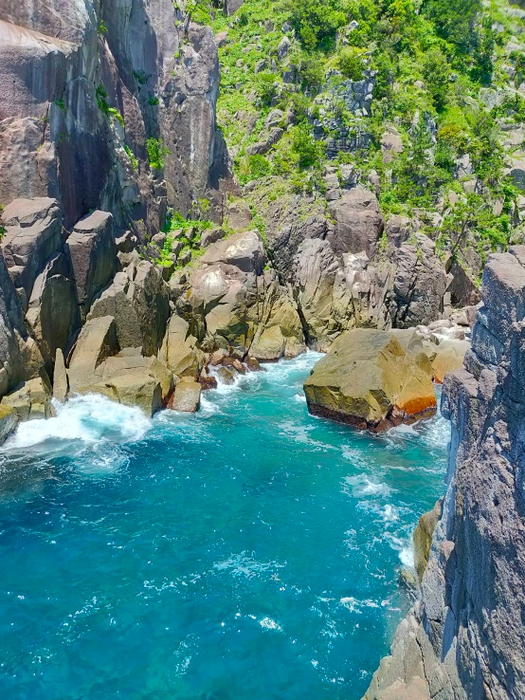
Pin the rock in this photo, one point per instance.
(517, 172)
(8, 422)
(358, 222)
(225, 376)
(221, 39)
(450, 355)
(464, 168)
(32, 400)
(463, 289)
(423, 538)
(96, 342)
(60, 380)
(231, 6)
(262, 147)
(391, 144)
(187, 396)
(138, 300)
(133, 380)
(399, 229)
(126, 243)
(281, 336)
(93, 255)
(283, 48)
(211, 236)
(419, 285)
(179, 351)
(463, 635)
(239, 216)
(33, 234)
(53, 313)
(368, 381)
(243, 250)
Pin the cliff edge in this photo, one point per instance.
(465, 637)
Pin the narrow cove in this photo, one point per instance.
(248, 551)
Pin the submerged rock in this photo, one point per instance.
(368, 381)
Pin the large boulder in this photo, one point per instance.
(133, 380)
(138, 300)
(179, 351)
(187, 396)
(422, 538)
(358, 222)
(334, 294)
(53, 313)
(242, 250)
(420, 283)
(31, 400)
(96, 342)
(93, 255)
(368, 381)
(33, 234)
(281, 335)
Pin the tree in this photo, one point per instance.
(454, 20)
(437, 76)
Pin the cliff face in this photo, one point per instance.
(465, 638)
(83, 85)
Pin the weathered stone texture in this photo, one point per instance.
(469, 621)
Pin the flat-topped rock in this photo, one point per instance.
(368, 381)
(243, 250)
(93, 254)
(33, 234)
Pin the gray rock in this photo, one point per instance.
(33, 234)
(358, 222)
(93, 254)
(283, 48)
(243, 250)
(465, 635)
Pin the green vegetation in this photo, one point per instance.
(61, 103)
(429, 63)
(132, 158)
(103, 105)
(102, 27)
(156, 153)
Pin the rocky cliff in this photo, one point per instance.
(466, 635)
(110, 106)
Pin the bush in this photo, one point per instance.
(254, 168)
(317, 21)
(454, 20)
(156, 153)
(304, 146)
(437, 76)
(266, 88)
(350, 63)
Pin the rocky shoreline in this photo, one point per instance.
(464, 638)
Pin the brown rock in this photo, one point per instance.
(186, 397)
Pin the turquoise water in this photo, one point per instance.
(249, 552)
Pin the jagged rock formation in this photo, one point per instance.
(465, 637)
(84, 85)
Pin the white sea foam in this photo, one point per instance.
(406, 556)
(84, 419)
(268, 624)
(362, 485)
(244, 564)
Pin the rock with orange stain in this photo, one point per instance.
(368, 380)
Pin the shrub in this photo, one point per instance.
(156, 153)
(437, 76)
(350, 63)
(455, 20)
(305, 146)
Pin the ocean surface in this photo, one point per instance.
(248, 552)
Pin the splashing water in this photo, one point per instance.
(248, 551)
